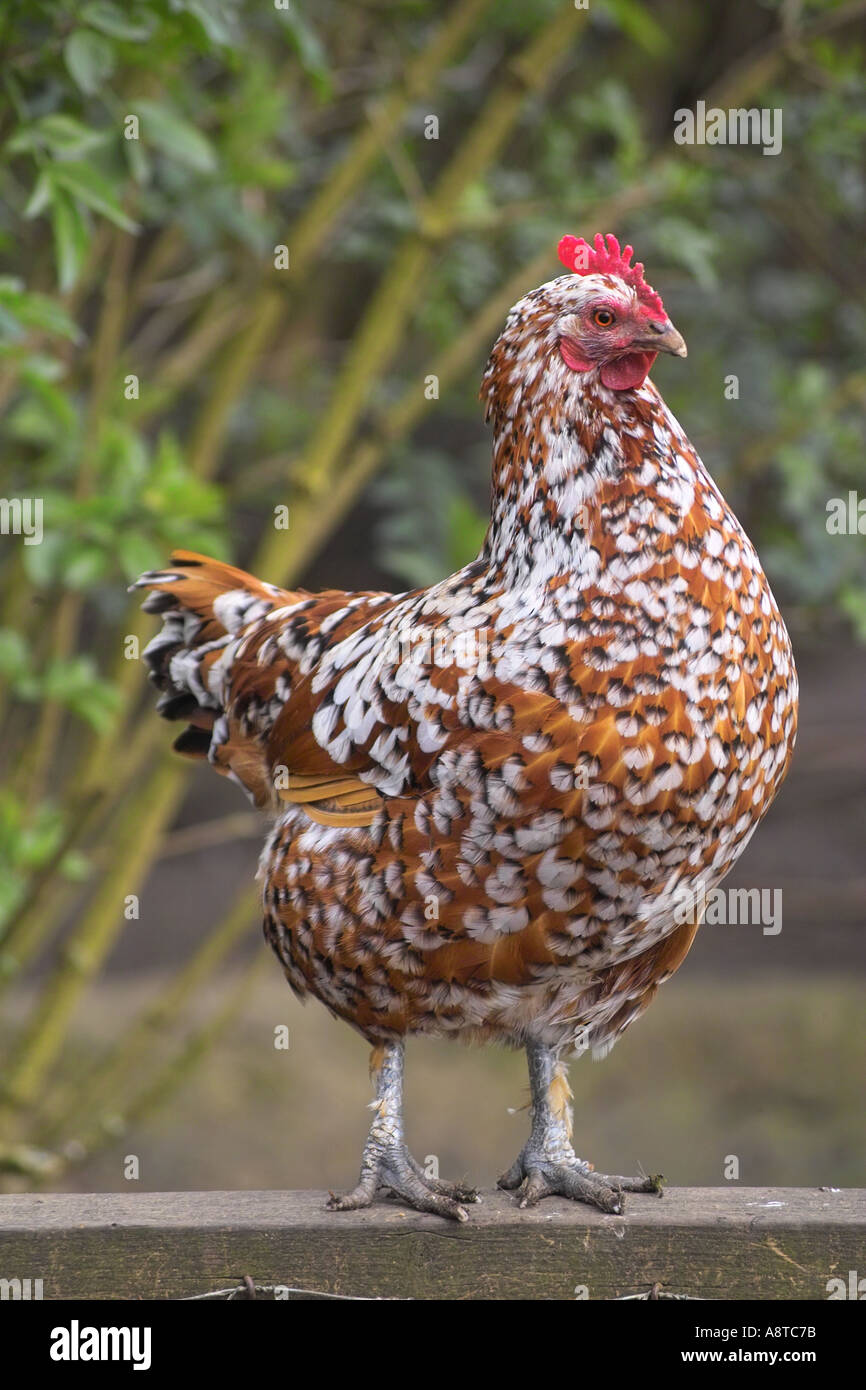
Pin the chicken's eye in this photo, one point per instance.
(604, 317)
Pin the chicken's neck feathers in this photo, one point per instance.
(559, 458)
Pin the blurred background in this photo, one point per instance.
(236, 242)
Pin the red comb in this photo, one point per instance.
(607, 259)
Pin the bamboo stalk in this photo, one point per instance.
(182, 364)
(39, 915)
(166, 246)
(32, 775)
(35, 769)
(140, 828)
(313, 226)
(237, 825)
(760, 66)
(112, 1074)
(166, 1080)
(14, 934)
(196, 1047)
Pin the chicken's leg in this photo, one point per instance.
(547, 1165)
(387, 1163)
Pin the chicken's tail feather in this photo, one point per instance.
(205, 604)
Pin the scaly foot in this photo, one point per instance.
(547, 1166)
(387, 1163)
(534, 1175)
(394, 1170)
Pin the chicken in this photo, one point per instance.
(489, 797)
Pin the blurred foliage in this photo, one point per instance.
(162, 382)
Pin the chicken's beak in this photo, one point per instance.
(663, 337)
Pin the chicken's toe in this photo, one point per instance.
(397, 1173)
(535, 1176)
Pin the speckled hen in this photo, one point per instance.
(488, 797)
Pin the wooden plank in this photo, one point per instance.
(710, 1243)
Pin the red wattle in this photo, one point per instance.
(626, 373)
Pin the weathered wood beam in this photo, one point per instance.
(707, 1243)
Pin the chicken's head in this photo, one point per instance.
(613, 321)
(601, 325)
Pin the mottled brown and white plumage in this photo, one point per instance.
(487, 796)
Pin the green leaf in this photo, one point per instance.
(70, 239)
(90, 60)
(29, 423)
(57, 405)
(36, 310)
(13, 653)
(691, 246)
(85, 567)
(176, 137)
(853, 603)
(63, 135)
(84, 183)
(310, 51)
(138, 160)
(111, 20)
(75, 866)
(10, 327)
(138, 553)
(40, 197)
(216, 26)
(66, 137)
(638, 24)
(39, 366)
(78, 686)
(41, 561)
